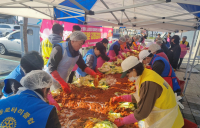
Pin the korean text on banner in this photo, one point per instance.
(94, 34)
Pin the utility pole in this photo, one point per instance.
(25, 35)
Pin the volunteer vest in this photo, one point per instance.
(90, 52)
(47, 47)
(162, 54)
(183, 46)
(65, 66)
(25, 110)
(46, 50)
(17, 75)
(166, 113)
(168, 72)
(111, 51)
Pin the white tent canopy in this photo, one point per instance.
(147, 14)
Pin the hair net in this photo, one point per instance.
(154, 48)
(78, 35)
(159, 42)
(127, 36)
(123, 39)
(36, 79)
(185, 37)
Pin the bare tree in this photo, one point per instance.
(25, 35)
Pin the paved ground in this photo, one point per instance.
(191, 101)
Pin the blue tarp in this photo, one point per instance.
(88, 4)
(192, 8)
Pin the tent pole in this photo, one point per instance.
(122, 12)
(191, 67)
(130, 6)
(190, 55)
(110, 12)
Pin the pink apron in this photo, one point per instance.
(183, 49)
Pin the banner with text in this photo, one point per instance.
(94, 34)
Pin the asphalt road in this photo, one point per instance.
(8, 63)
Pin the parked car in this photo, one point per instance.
(11, 43)
(5, 29)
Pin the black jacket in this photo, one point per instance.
(164, 48)
(174, 54)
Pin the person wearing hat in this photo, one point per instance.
(90, 58)
(115, 50)
(30, 61)
(174, 52)
(159, 41)
(156, 102)
(63, 58)
(184, 47)
(133, 43)
(54, 38)
(156, 49)
(28, 109)
(103, 58)
(71, 76)
(124, 46)
(162, 67)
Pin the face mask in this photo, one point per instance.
(133, 78)
(147, 63)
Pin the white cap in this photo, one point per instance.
(143, 54)
(128, 63)
(154, 48)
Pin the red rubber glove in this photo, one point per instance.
(130, 119)
(52, 101)
(63, 84)
(113, 58)
(124, 98)
(92, 72)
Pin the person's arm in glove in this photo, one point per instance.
(52, 101)
(130, 119)
(113, 58)
(63, 84)
(92, 72)
(120, 56)
(124, 98)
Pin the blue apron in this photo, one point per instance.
(17, 75)
(25, 110)
(111, 47)
(168, 72)
(90, 52)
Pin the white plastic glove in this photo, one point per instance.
(178, 102)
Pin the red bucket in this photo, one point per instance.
(181, 84)
(189, 124)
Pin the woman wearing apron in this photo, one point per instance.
(184, 47)
(156, 100)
